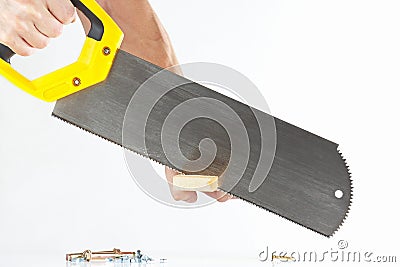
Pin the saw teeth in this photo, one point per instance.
(231, 194)
(254, 204)
(344, 217)
(137, 153)
(351, 192)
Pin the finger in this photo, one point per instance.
(219, 196)
(62, 10)
(187, 196)
(48, 25)
(35, 38)
(20, 46)
(85, 21)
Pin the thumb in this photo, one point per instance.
(178, 195)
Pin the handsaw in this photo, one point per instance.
(190, 128)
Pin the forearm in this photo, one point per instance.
(145, 36)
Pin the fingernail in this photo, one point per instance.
(224, 198)
(192, 199)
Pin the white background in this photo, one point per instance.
(331, 67)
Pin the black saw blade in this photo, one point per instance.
(195, 130)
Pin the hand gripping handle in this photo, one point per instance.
(93, 65)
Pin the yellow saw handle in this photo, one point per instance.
(92, 66)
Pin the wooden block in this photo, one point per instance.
(195, 183)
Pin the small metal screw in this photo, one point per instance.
(106, 50)
(76, 81)
(87, 255)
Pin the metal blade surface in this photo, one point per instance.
(188, 127)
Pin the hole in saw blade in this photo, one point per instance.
(339, 194)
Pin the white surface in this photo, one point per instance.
(331, 67)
